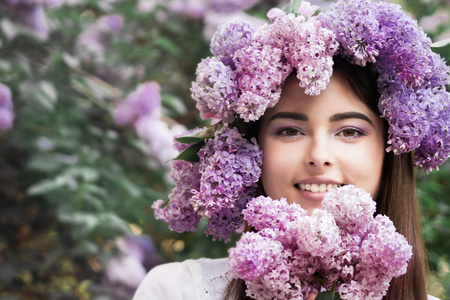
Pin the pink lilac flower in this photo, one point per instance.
(216, 188)
(6, 106)
(215, 90)
(178, 212)
(198, 8)
(229, 6)
(158, 137)
(31, 13)
(230, 164)
(258, 79)
(412, 78)
(356, 26)
(245, 74)
(293, 254)
(144, 101)
(230, 37)
(95, 38)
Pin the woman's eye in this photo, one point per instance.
(289, 132)
(350, 132)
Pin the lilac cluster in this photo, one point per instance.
(198, 8)
(249, 65)
(142, 109)
(6, 106)
(95, 38)
(216, 188)
(31, 13)
(340, 247)
(144, 101)
(412, 77)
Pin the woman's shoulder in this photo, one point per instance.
(432, 298)
(191, 279)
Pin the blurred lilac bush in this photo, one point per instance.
(91, 94)
(6, 112)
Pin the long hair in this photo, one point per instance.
(397, 196)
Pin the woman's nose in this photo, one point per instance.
(319, 153)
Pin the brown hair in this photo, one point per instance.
(397, 197)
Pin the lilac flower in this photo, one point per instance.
(215, 90)
(351, 208)
(216, 188)
(356, 26)
(230, 37)
(254, 255)
(263, 212)
(229, 6)
(284, 259)
(191, 8)
(95, 38)
(178, 212)
(229, 166)
(198, 8)
(6, 113)
(144, 101)
(213, 20)
(159, 137)
(244, 77)
(412, 78)
(259, 79)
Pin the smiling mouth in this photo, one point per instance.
(317, 188)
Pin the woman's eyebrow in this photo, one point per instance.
(289, 115)
(350, 115)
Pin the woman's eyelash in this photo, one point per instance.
(351, 132)
(288, 131)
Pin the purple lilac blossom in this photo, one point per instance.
(286, 256)
(230, 6)
(94, 39)
(198, 8)
(244, 77)
(258, 79)
(230, 37)
(6, 107)
(158, 137)
(412, 78)
(144, 101)
(178, 212)
(215, 90)
(230, 164)
(31, 13)
(212, 21)
(216, 188)
(357, 25)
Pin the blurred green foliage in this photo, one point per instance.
(71, 181)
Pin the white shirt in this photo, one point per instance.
(201, 279)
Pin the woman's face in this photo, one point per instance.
(312, 144)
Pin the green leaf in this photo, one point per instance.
(328, 296)
(174, 104)
(46, 186)
(191, 154)
(201, 135)
(168, 45)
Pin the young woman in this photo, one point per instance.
(314, 143)
(297, 107)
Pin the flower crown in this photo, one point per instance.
(217, 170)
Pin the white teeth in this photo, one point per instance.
(317, 188)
